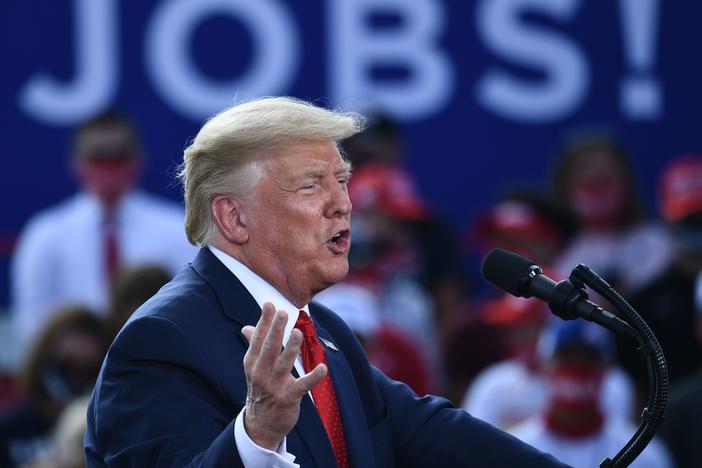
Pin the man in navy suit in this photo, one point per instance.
(223, 366)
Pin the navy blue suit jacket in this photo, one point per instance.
(173, 382)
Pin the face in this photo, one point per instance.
(574, 379)
(76, 360)
(298, 219)
(106, 162)
(597, 188)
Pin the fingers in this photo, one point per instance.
(248, 332)
(273, 343)
(258, 334)
(264, 360)
(286, 360)
(266, 341)
(305, 383)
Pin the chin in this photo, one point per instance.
(335, 271)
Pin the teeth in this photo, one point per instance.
(336, 237)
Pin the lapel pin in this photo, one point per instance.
(329, 344)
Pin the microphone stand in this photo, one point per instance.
(629, 322)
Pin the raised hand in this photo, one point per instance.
(273, 393)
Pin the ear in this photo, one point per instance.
(230, 220)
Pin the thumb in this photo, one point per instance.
(308, 381)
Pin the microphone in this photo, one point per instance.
(566, 299)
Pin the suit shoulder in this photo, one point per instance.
(185, 301)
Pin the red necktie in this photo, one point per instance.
(323, 393)
(111, 249)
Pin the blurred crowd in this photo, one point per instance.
(569, 388)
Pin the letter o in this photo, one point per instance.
(185, 88)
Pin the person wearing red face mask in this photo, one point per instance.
(573, 425)
(594, 181)
(71, 253)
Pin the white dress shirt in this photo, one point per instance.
(60, 259)
(252, 455)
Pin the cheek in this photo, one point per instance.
(292, 238)
(291, 227)
(302, 222)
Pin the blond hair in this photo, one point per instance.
(222, 157)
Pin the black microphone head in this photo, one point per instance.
(508, 271)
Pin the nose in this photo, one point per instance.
(339, 203)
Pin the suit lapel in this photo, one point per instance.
(358, 443)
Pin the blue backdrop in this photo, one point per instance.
(484, 88)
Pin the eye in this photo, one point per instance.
(310, 186)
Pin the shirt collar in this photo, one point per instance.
(125, 205)
(260, 289)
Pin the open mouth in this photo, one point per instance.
(339, 243)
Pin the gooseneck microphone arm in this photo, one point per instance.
(568, 300)
(654, 412)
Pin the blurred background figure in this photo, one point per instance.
(67, 439)
(573, 425)
(385, 345)
(441, 269)
(670, 305)
(386, 259)
(512, 390)
(527, 222)
(683, 422)
(594, 180)
(667, 303)
(9, 390)
(71, 253)
(503, 328)
(62, 365)
(132, 288)
(380, 143)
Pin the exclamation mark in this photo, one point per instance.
(641, 96)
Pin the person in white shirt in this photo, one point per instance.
(70, 253)
(510, 391)
(572, 425)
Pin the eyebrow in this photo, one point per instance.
(313, 173)
(346, 166)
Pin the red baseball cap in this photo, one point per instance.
(389, 189)
(681, 188)
(515, 218)
(509, 311)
